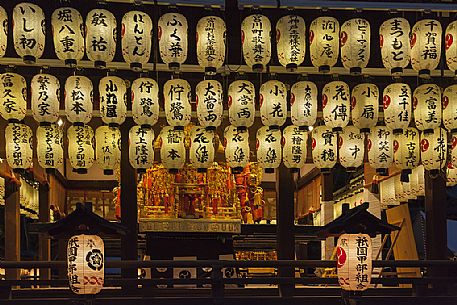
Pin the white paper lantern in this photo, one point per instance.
(209, 96)
(451, 46)
(454, 150)
(18, 139)
(434, 149)
(49, 146)
(303, 103)
(417, 181)
(401, 190)
(172, 149)
(178, 110)
(450, 108)
(427, 107)
(397, 106)
(201, 153)
(380, 149)
(173, 42)
(101, 35)
(79, 99)
(28, 31)
(237, 150)
(290, 41)
(406, 149)
(211, 43)
(3, 31)
(141, 149)
(86, 264)
(324, 42)
(113, 100)
(324, 148)
(336, 105)
(355, 44)
(68, 34)
(387, 192)
(13, 96)
(426, 46)
(354, 261)
(365, 106)
(394, 43)
(451, 175)
(108, 148)
(241, 96)
(273, 103)
(256, 41)
(294, 148)
(351, 148)
(45, 96)
(268, 145)
(136, 39)
(145, 101)
(81, 147)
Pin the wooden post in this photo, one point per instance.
(44, 245)
(12, 229)
(327, 212)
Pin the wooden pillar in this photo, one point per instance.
(44, 245)
(12, 229)
(327, 211)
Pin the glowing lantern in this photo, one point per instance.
(426, 46)
(136, 39)
(45, 96)
(49, 146)
(324, 42)
(18, 138)
(303, 103)
(365, 106)
(79, 99)
(290, 41)
(256, 41)
(3, 31)
(68, 34)
(406, 151)
(86, 264)
(209, 103)
(172, 34)
(145, 101)
(417, 181)
(28, 31)
(108, 148)
(201, 152)
(397, 106)
(273, 103)
(81, 147)
(354, 261)
(454, 150)
(100, 37)
(241, 95)
(113, 100)
(394, 43)
(387, 192)
(172, 149)
(355, 44)
(177, 102)
(450, 108)
(434, 149)
(141, 150)
(13, 96)
(236, 147)
(324, 147)
(450, 46)
(427, 107)
(401, 189)
(351, 148)
(294, 148)
(380, 149)
(268, 144)
(211, 43)
(336, 105)
(451, 175)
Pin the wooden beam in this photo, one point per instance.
(12, 230)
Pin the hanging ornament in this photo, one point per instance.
(3, 31)
(13, 97)
(434, 149)
(19, 149)
(450, 46)
(49, 146)
(211, 43)
(79, 99)
(336, 105)
(201, 152)
(290, 41)
(209, 103)
(108, 148)
(450, 108)
(294, 148)
(324, 147)
(136, 39)
(177, 102)
(81, 147)
(355, 45)
(427, 107)
(172, 33)
(394, 43)
(324, 43)
(113, 100)
(236, 148)
(45, 97)
(145, 101)
(397, 106)
(406, 151)
(273, 103)
(303, 104)
(268, 145)
(380, 149)
(101, 36)
(256, 41)
(141, 150)
(172, 149)
(241, 95)
(351, 148)
(426, 46)
(365, 106)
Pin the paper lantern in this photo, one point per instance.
(241, 95)
(136, 39)
(273, 103)
(209, 96)
(387, 192)
(172, 149)
(426, 46)
(211, 43)
(324, 43)
(79, 99)
(324, 145)
(68, 34)
(113, 100)
(3, 31)
(450, 108)
(417, 181)
(237, 150)
(303, 103)
(365, 106)
(201, 153)
(355, 44)
(18, 139)
(177, 102)
(256, 41)
(401, 190)
(406, 150)
(141, 150)
(380, 149)
(394, 43)
(145, 101)
(49, 146)
(81, 147)
(451, 175)
(28, 31)
(108, 148)
(450, 46)
(454, 150)
(13, 96)
(268, 145)
(427, 107)
(290, 41)
(397, 106)
(336, 105)
(351, 148)
(101, 35)
(45, 96)
(86, 264)
(172, 35)
(294, 148)
(434, 149)
(354, 261)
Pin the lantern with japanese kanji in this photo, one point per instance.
(294, 148)
(177, 102)
(3, 31)
(49, 146)
(450, 108)
(387, 192)
(380, 149)
(290, 41)
(18, 139)
(417, 181)
(351, 148)
(268, 145)
(427, 107)
(108, 148)
(451, 175)
(397, 106)
(101, 29)
(394, 43)
(241, 96)
(256, 41)
(303, 103)
(355, 44)
(407, 151)
(79, 99)
(172, 149)
(28, 31)
(450, 47)
(172, 33)
(273, 103)
(401, 189)
(426, 46)
(336, 105)
(211, 43)
(454, 150)
(324, 148)
(45, 97)
(81, 147)
(365, 106)
(136, 39)
(201, 152)
(13, 96)
(113, 100)
(209, 96)
(324, 43)
(433, 148)
(145, 101)
(141, 149)
(236, 147)
(86, 264)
